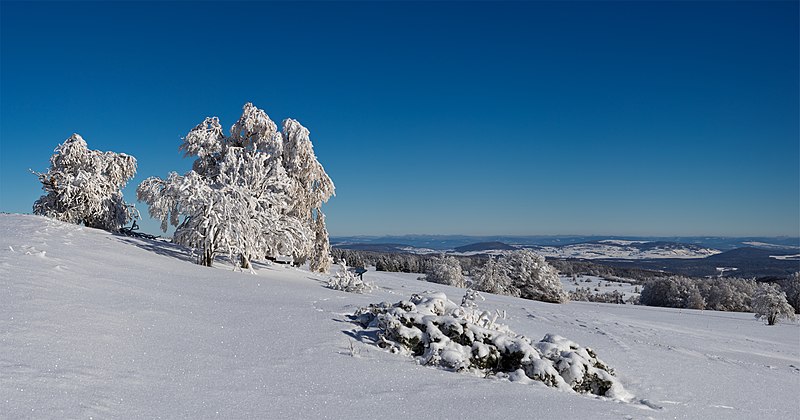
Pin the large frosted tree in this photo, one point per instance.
(248, 193)
(84, 186)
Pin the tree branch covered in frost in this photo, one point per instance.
(347, 281)
(522, 274)
(84, 186)
(437, 332)
(255, 193)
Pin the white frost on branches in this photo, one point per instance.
(255, 193)
(446, 270)
(84, 186)
(769, 303)
(521, 274)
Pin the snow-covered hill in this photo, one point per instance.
(98, 325)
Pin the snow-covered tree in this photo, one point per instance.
(84, 186)
(321, 257)
(241, 197)
(535, 278)
(672, 292)
(494, 278)
(791, 286)
(446, 270)
(770, 304)
(523, 274)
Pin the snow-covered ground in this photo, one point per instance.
(103, 326)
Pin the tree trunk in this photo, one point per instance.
(244, 262)
(207, 259)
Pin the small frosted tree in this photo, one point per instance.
(446, 270)
(84, 186)
(769, 303)
(535, 278)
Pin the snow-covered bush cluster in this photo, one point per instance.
(725, 294)
(446, 270)
(84, 186)
(585, 294)
(769, 304)
(254, 193)
(347, 281)
(438, 332)
(522, 274)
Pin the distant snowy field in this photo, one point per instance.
(103, 326)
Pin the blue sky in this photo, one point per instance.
(626, 118)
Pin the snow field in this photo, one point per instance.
(104, 326)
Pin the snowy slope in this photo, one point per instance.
(97, 325)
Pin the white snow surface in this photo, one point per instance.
(98, 325)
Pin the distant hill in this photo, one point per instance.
(485, 246)
(747, 262)
(392, 248)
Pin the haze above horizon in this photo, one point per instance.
(477, 119)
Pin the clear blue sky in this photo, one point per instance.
(627, 118)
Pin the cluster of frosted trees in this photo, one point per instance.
(523, 274)
(256, 192)
(767, 300)
(520, 273)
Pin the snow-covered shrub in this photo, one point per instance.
(254, 193)
(84, 186)
(446, 270)
(672, 292)
(437, 332)
(523, 274)
(470, 298)
(584, 294)
(770, 304)
(347, 281)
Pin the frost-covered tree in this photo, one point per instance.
(727, 294)
(446, 270)
(243, 197)
(791, 286)
(672, 292)
(321, 257)
(535, 278)
(523, 274)
(84, 186)
(769, 303)
(494, 278)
